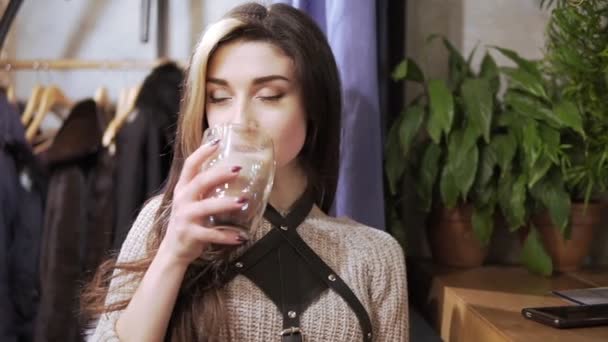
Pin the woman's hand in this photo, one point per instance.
(186, 238)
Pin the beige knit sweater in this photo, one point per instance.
(370, 261)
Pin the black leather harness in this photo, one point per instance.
(291, 274)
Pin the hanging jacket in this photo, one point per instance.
(78, 220)
(22, 187)
(144, 146)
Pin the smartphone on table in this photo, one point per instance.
(571, 316)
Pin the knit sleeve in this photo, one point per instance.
(133, 248)
(389, 302)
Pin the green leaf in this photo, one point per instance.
(458, 57)
(469, 139)
(485, 196)
(395, 162)
(552, 194)
(458, 66)
(505, 185)
(532, 145)
(539, 170)
(457, 72)
(472, 54)
(409, 127)
(507, 118)
(478, 104)
(549, 135)
(523, 80)
(568, 115)
(483, 223)
(466, 170)
(408, 70)
(449, 189)
(564, 114)
(463, 158)
(512, 200)
(529, 66)
(503, 148)
(400, 71)
(428, 175)
(533, 254)
(530, 107)
(518, 200)
(487, 163)
(551, 142)
(442, 110)
(489, 71)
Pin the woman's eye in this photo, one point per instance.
(271, 97)
(218, 98)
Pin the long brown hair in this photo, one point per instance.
(199, 313)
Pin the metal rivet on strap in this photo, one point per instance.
(369, 335)
(239, 265)
(331, 277)
(284, 227)
(292, 314)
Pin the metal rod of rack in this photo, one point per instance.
(69, 64)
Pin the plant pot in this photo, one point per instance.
(568, 255)
(452, 240)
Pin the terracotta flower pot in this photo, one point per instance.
(568, 255)
(452, 240)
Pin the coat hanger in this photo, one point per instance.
(51, 97)
(10, 94)
(32, 104)
(101, 97)
(121, 101)
(33, 101)
(43, 142)
(121, 117)
(11, 97)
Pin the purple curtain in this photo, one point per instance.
(350, 27)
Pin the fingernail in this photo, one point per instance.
(240, 238)
(241, 200)
(236, 169)
(214, 142)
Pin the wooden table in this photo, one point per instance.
(484, 304)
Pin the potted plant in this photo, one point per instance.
(448, 140)
(558, 109)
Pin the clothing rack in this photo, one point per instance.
(70, 64)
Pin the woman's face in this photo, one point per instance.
(252, 82)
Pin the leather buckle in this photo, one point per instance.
(290, 331)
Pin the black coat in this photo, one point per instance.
(145, 146)
(22, 186)
(78, 220)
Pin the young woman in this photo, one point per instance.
(302, 275)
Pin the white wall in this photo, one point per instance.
(513, 24)
(101, 30)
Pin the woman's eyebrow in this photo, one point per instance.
(258, 80)
(217, 81)
(269, 78)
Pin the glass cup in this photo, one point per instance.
(253, 151)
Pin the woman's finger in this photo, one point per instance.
(205, 181)
(217, 236)
(211, 206)
(193, 163)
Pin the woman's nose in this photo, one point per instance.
(244, 116)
